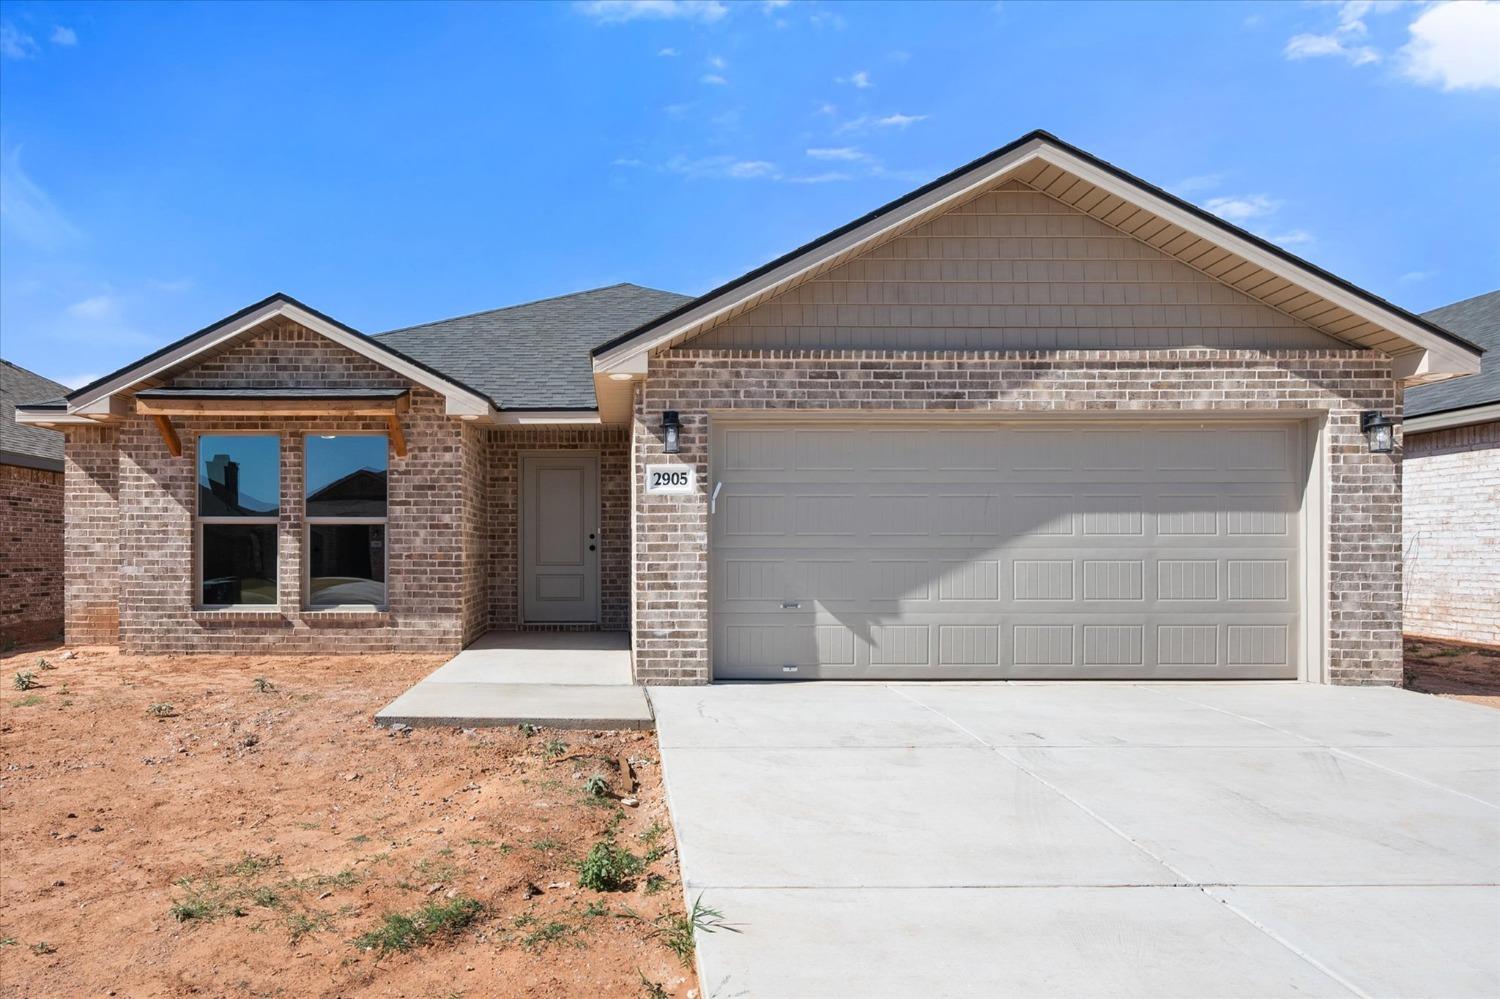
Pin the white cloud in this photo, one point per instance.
(771, 6)
(859, 79)
(64, 36)
(713, 78)
(750, 169)
(1455, 46)
(1343, 40)
(27, 212)
(96, 307)
(819, 178)
(667, 52)
(1241, 208)
(1292, 237)
(621, 11)
(826, 108)
(733, 168)
(848, 154)
(718, 62)
(899, 120)
(15, 43)
(1412, 277)
(1202, 182)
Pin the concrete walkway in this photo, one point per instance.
(551, 679)
(1087, 839)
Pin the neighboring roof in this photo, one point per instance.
(1475, 319)
(1222, 250)
(20, 444)
(536, 355)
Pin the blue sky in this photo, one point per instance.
(165, 165)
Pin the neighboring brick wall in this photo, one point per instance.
(430, 501)
(613, 446)
(1452, 533)
(1363, 644)
(91, 539)
(31, 554)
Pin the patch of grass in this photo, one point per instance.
(596, 908)
(655, 883)
(199, 905)
(596, 786)
(361, 838)
(266, 897)
(45, 663)
(551, 749)
(527, 729)
(25, 680)
(263, 686)
(161, 710)
(251, 864)
(43, 947)
(8, 941)
(302, 924)
(608, 867)
(29, 701)
(400, 932)
(547, 845)
(545, 935)
(677, 931)
(436, 870)
(650, 989)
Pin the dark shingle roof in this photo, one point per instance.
(536, 355)
(19, 443)
(1475, 319)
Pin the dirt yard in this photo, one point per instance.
(205, 826)
(1468, 672)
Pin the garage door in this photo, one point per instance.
(1017, 550)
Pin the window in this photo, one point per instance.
(345, 497)
(239, 499)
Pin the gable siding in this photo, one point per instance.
(1013, 269)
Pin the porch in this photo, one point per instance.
(553, 679)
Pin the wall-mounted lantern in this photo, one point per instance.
(1379, 431)
(671, 432)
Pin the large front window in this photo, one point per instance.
(346, 548)
(239, 498)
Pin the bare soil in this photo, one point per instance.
(172, 829)
(1467, 672)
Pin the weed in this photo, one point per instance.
(433, 870)
(45, 663)
(251, 864)
(551, 749)
(43, 947)
(677, 931)
(265, 897)
(548, 845)
(546, 935)
(655, 883)
(300, 924)
(361, 838)
(263, 686)
(476, 843)
(196, 907)
(527, 729)
(652, 834)
(29, 701)
(436, 920)
(596, 786)
(25, 680)
(650, 989)
(607, 867)
(8, 941)
(596, 908)
(161, 710)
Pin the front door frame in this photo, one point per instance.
(523, 464)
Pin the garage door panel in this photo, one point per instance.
(917, 551)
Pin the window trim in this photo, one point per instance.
(309, 604)
(199, 521)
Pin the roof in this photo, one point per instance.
(1475, 319)
(536, 355)
(336, 394)
(1043, 161)
(21, 444)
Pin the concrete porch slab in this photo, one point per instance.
(548, 679)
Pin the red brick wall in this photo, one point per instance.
(504, 480)
(31, 554)
(1363, 641)
(1452, 529)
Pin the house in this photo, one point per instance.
(31, 513)
(1037, 418)
(1451, 502)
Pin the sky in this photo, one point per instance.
(162, 166)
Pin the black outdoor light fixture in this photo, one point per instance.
(671, 429)
(1379, 431)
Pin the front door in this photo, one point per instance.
(560, 538)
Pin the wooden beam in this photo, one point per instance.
(270, 407)
(398, 436)
(169, 434)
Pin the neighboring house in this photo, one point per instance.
(31, 513)
(1035, 419)
(1451, 505)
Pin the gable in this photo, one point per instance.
(1013, 269)
(282, 353)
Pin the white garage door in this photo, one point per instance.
(1025, 549)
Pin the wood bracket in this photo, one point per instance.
(398, 436)
(169, 434)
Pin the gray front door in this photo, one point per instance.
(1039, 549)
(560, 538)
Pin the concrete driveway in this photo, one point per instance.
(1087, 839)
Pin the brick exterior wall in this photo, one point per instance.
(1363, 641)
(504, 478)
(434, 599)
(91, 537)
(1451, 523)
(31, 554)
